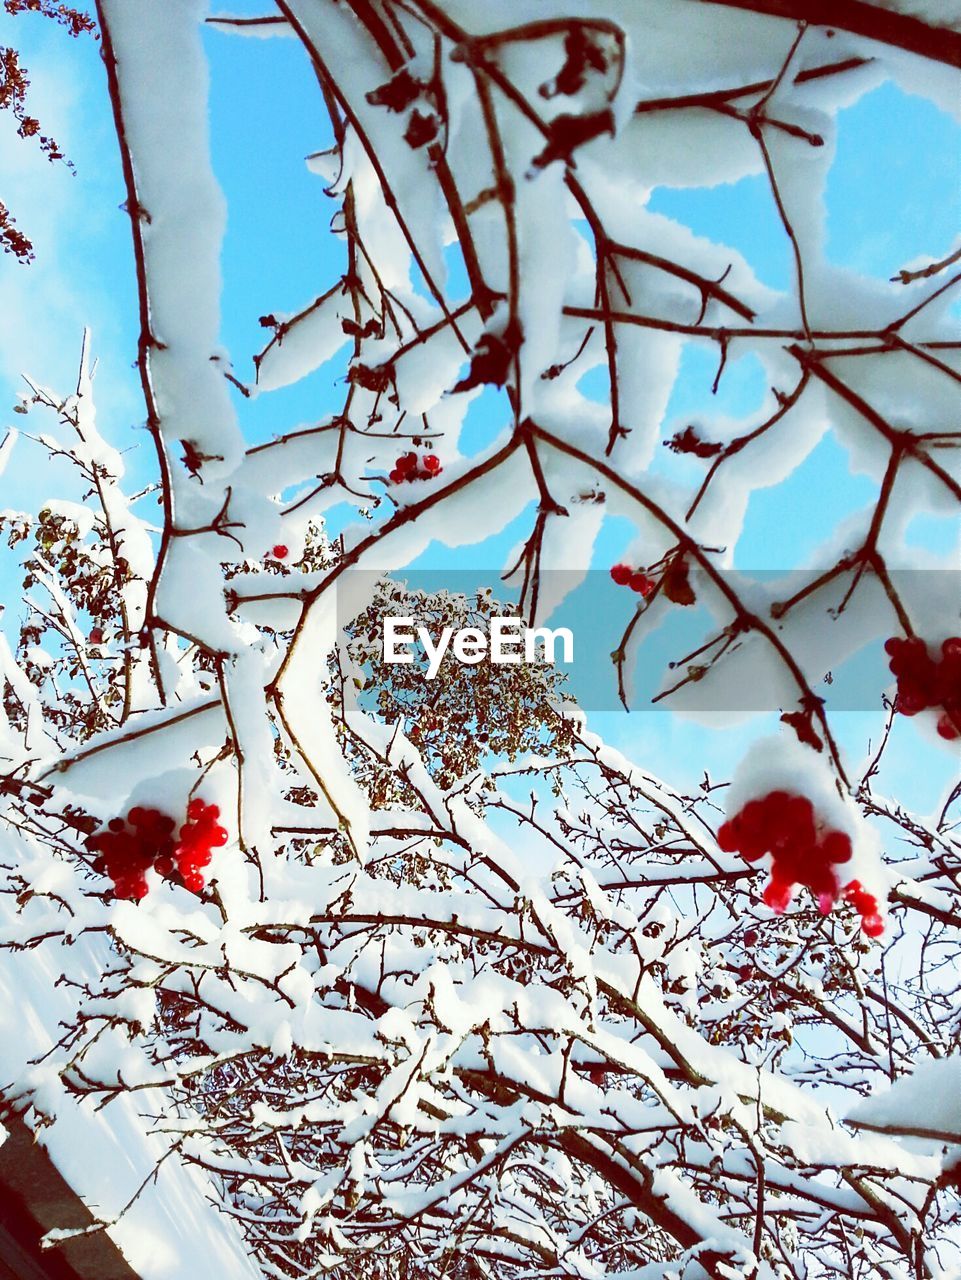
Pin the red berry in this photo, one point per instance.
(727, 838)
(195, 808)
(754, 816)
(752, 853)
(836, 847)
(96, 635)
(406, 463)
(642, 584)
(397, 477)
(951, 649)
(865, 904)
(432, 464)
(750, 938)
(873, 926)
(799, 814)
(948, 727)
(280, 552)
(194, 881)
(621, 573)
(753, 832)
(777, 896)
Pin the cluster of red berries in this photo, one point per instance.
(802, 852)
(199, 836)
(625, 576)
(866, 905)
(409, 467)
(129, 847)
(924, 682)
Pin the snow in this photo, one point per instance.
(302, 343)
(171, 1229)
(927, 1102)
(182, 226)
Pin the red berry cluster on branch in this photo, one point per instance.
(199, 836)
(924, 683)
(409, 467)
(803, 851)
(128, 848)
(625, 576)
(866, 905)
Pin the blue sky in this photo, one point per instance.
(894, 194)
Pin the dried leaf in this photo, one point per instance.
(371, 378)
(398, 93)
(422, 129)
(582, 57)
(688, 441)
(491, 362)
(566, 133)
(676, 583)
(802, 722)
